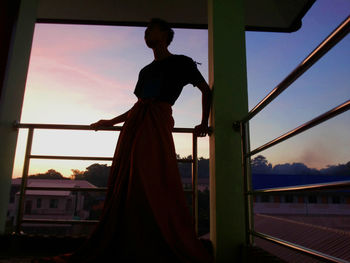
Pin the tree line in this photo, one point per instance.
(97, 174)
(260, 165)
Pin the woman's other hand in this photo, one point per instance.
(101, 124)
(201, 130)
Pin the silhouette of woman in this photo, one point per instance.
(145, 217)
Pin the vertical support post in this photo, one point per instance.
(21, 200)
(244, 129)
(12, 93)
(228, 79)
(8, 15)
(195, 180)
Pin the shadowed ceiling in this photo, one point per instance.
(261, 15)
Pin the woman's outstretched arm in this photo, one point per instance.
(111, 122)
(202, 129)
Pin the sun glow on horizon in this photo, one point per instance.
(80, 74)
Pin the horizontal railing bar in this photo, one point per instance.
(87, 158)
(62, 127)
(56, 157)
(185, 160)
(82, 127)
(306, 251)
(76, 189)
(338, 34)
(308, 125)
(32, 126)
(303, 188)
(56, 221)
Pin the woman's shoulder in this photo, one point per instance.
(182, 57)
(183, 60)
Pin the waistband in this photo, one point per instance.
(153, 101)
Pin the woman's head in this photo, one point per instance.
(158, 32)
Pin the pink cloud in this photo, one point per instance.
(68, 39)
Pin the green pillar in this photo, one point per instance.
(227, 76)
(11, 98)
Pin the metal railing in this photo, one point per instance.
(243, 127)
(28, 156)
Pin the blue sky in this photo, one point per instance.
(323, 87)
(79, 74)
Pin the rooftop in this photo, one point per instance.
(334, 242)
(57, 183)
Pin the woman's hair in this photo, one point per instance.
(164, 26)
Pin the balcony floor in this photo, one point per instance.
(23, 248)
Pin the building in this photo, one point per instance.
(49, 204)
(333, 206)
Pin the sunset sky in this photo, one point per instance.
(80, 74)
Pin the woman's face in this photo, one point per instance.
(154, 36)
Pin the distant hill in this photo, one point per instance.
(261, 181)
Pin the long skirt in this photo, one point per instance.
(145, 216)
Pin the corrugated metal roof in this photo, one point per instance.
(327, 240)
(47, 193)
(59, 183)
(53, 183)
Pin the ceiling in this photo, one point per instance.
(261, 15)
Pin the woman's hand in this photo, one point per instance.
(111, 122)
(102, 124)
(201, 130)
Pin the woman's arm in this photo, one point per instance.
(111, 122)
(202, 129)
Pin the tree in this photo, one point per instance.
(97, 174)
(77, 174)
(260, 165)
(340, 169)
(50, 174)
(294, 168)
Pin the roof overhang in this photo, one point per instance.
(261, 15)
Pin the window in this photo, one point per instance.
(265, 198)
(14, 190)
(288, 198)
(28, 207)
(348, 200)
(38, 203)
(69, 205)
(277, 199)
(53, 203)
(301, 199)
(324, 199)
(312, 199)
(336, 199)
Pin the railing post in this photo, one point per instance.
(244, 130)
(195, 180)
(24, 181)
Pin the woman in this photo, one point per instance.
(145, 216)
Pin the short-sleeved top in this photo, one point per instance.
(164, 79)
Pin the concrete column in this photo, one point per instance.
(12, 93)
(8, 14)
(227, 76)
